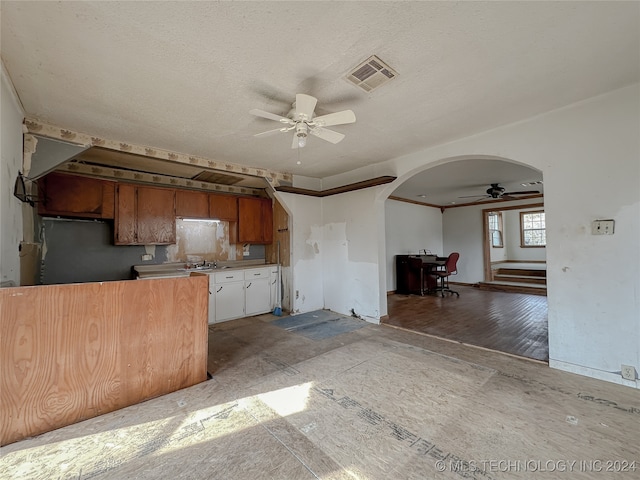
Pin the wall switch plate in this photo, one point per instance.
(147, 257)
(602, 227)
(628, 372)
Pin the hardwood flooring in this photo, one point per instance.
(375, 403)
(508, 322)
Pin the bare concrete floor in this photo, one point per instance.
(375, 403)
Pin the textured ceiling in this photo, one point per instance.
(183, 76)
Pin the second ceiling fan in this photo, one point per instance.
(498, 191)
(302, 122)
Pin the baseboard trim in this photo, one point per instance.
(391, 292)
(593, 373)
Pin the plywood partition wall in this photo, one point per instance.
(72, 352)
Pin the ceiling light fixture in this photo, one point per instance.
(301, 134)
(422, 195)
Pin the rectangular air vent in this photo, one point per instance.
(371, 74)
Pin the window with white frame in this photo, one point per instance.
(532, 229)
(495, 229)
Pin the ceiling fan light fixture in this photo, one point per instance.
(301, 134)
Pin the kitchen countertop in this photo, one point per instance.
(168, 270)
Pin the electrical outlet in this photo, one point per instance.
(297, 293)
(602, 227)
(628, 372)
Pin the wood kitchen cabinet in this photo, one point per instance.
(75, 196)
(255, 220)
(145, 215)
(192, 204)
(223, 207)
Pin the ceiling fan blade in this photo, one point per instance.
(527, 192)
(270, 132)
(270, 116)
(475, 196)
(338, 118)
(328, 135)
(305, 105)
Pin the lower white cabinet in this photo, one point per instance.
(229, 301)
(256, 290)
(228, 289)
(240, 292)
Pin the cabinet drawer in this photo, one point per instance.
(226, 277)
(255, 273)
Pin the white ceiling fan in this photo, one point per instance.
(302, 122)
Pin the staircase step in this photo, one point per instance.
(514, 287)
(521, 271)
(520, 279)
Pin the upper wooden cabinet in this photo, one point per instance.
(145, 215)
(75, 196)
(223, 207)
(255, 220)
(192, 204)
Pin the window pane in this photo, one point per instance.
(533, 229)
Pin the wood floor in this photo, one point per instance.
(508, 322)
(376, 403)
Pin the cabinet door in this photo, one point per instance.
(192, 204)
(223, 207)
(255, 220)
(229, 301)
(156, 216)
(75, 196)
(257, 296)
(249, 220)
(125, 222)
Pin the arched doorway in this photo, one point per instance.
(447, 200)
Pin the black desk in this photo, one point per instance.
(412, 273)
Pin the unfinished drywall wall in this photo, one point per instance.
(410, 228)
(303, 278)
(11, 230)
(351, 261)
(77, 251)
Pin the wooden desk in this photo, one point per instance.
(412, 272)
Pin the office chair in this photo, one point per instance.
(449, 268)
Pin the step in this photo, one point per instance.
(520, 279)
(514, 287)
(521, 271)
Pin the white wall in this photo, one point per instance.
(304, 276)
(351, 253)
(462, 232)
(11, 230)
(409, 229)
(589, 155)
(512, 239)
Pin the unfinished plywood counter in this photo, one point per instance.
(72, 352)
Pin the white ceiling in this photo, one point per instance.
(183, 76)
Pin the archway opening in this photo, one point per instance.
(443, 208)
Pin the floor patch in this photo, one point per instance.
(319, 324)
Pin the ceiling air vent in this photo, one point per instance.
(371, 74)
